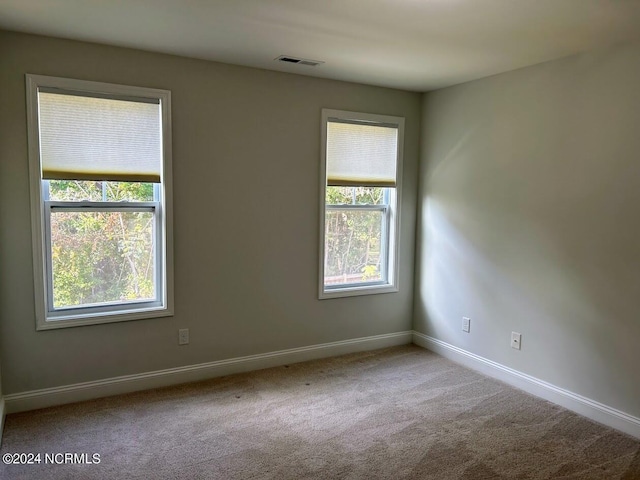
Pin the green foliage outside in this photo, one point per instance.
(353, 237)
(354, 195)
(100, 256)
(79, 190)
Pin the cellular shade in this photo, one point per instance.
(96, 138)
(361, 154)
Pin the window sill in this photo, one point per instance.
(69, 321)
(356, 291)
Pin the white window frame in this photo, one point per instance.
(391, 242)
(41, 207)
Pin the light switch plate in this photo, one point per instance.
(466, 324)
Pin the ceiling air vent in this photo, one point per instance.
(299, 61)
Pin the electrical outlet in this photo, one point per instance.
(466, 324)
(516, 340)
(183, 336)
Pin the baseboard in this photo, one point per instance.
(2, 415)
(572, 401)
(31, 400)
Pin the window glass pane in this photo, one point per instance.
(75, 190)
(355, 195)
(129, 191)
(353, 246)
(97, 191)
(102, 257)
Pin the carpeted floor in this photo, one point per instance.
(401, 412)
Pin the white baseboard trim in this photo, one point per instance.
(31, 400)
(2, 415)
(572, 401)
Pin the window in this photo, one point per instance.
(100, 170)
(359, 221)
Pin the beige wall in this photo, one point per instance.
(246, 152)
(530, 221)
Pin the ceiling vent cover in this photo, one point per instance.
(298, 61)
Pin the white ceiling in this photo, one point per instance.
(410, 44)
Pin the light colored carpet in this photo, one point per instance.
(401, 412)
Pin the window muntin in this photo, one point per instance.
(359, 221)
(101, 196)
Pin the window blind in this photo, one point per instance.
(361, 154)
(96, 138)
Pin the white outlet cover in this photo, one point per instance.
(516, 340)
(183, 336)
